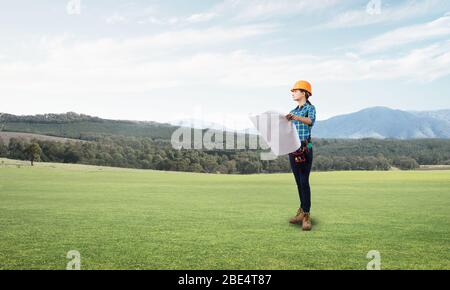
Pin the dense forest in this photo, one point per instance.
(147, 145)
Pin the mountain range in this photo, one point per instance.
(383, 122)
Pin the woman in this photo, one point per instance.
(303, 117)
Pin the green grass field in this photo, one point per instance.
(136, 219)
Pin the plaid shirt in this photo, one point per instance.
(303, 130)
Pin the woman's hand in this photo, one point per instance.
(304, 120)
(290, 117)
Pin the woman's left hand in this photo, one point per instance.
(290, 117)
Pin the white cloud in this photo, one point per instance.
(240, 10)
(201, 17)
(119, 78)
(116, 18)
(119, 68)
(168, 43)
(194, 18)
(410, 9)
(426, 64)
(406, 35)
(257, 9)
(151, 20)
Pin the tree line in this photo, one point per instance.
(147, 153)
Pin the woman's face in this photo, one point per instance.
(297, 95)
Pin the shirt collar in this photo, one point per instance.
(299, 108)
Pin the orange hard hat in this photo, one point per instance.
(302, 85)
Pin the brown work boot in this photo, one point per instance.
(298, 217)
(306, 224)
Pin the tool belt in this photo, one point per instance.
(300, 155)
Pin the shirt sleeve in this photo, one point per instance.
(312, 114)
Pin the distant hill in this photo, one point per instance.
(205, 125)
(382, 122)
(441, 115)
(6, 136)
(78, 126)
(198, 124)
(73, 125)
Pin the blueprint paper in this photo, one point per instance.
(279, 133)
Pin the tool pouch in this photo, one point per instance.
(300, 155)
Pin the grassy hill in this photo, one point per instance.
(73, 125)
(6, 136)
(141, 219)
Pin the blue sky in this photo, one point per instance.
(221, 60)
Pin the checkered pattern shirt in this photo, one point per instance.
(303, 130)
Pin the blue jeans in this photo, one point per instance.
(301, 173)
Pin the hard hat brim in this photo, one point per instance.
(292, 90)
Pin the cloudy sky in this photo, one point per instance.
(221, 60)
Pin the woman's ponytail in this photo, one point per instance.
(307, 97)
